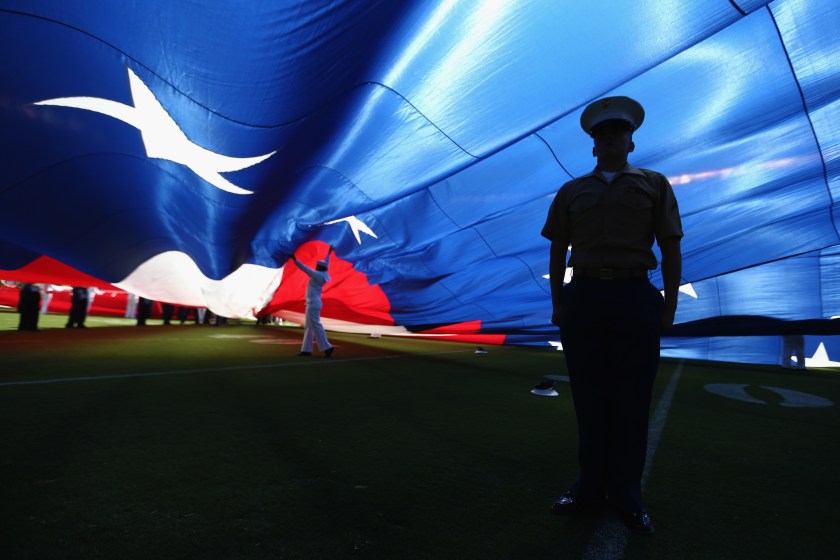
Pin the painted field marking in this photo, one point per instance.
(792, 399)
(308, 363)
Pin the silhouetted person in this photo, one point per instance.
(130, 306)
(184, 316)
(167, 310)
(144, 310)
(78, 308)
(312, 328)
(610, 316)
(793, 346)
(46, 296)
(29, 303)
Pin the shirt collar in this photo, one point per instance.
(626, 169)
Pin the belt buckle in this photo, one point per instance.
(605, 273)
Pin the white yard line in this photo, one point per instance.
(610, 538)
(308, 362)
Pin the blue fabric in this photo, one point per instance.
(445, 129)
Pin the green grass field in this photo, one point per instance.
(218, 442)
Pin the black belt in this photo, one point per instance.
(610, 273)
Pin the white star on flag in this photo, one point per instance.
(162, 137)
(687, 289)
(820, 358)
(356, 226)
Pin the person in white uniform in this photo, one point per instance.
(46, 296)
(312, 328)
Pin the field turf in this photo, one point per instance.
(218, 442)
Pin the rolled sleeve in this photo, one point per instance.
(668, 223)
(556, 223)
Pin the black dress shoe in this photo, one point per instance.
(638, 523)
(328, 352)
(305, 354)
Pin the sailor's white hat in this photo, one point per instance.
(608, 109)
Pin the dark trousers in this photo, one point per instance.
(29, 307)
(78, 314)
(144, 311)
(167, 309)
(610, 333)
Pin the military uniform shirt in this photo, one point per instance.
(613, 225)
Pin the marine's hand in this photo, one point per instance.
(668, 318)
(557, 316)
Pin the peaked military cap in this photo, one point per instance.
(619, 109)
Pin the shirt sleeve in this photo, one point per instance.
(308, 271)
(556, 225)
(668, 223)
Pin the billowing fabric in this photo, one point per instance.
(183, 150)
